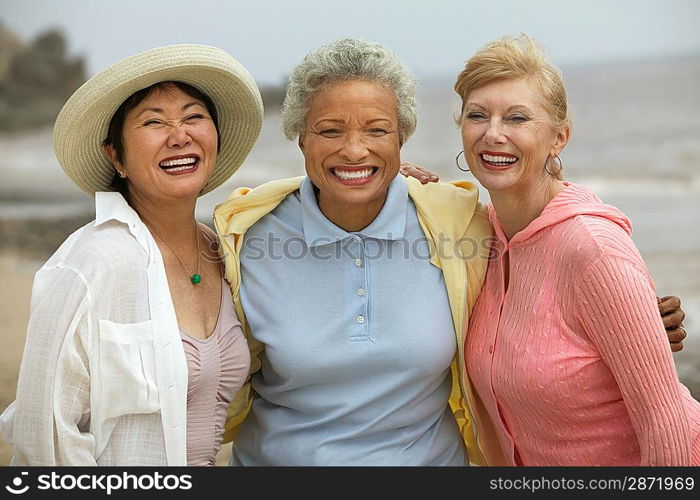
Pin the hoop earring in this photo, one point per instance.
(556, 160)
(121, 174)
(457, 162)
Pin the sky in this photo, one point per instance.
(432, 37)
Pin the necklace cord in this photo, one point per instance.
(194, 278)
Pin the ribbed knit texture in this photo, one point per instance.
(572, 361)
(217, 368)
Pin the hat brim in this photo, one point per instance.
(83, 122)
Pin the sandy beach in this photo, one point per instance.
(18, 274)
(634, 142)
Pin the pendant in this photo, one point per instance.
(196, 278)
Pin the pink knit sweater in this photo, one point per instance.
(571, 361)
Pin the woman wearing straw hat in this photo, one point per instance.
(134, 350)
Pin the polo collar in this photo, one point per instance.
(389, 225)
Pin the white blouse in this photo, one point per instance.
(103, 379)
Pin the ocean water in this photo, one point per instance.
(635, 141)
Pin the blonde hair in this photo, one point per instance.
(511, 58)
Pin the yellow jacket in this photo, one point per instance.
(447, 213)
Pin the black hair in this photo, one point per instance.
(116, 125)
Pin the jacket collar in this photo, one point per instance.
(442, 207)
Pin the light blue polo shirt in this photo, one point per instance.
(358, 340)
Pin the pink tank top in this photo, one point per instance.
(217, 368)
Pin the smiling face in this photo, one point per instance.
(351, 146)
(508, 136)
(170, 145)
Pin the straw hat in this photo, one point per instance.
(82, 124)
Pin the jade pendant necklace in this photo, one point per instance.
(194, 278)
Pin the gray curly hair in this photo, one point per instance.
(342, 60)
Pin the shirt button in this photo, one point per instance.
(360, 319)
(490, 349)
(360, 291)
(358, 262)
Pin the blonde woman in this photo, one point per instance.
(565, 346)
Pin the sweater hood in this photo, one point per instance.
(572, 201)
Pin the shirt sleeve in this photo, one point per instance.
(618, 310)
(52, 409)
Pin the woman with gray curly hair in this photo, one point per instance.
(347, 368)
(348, 59)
